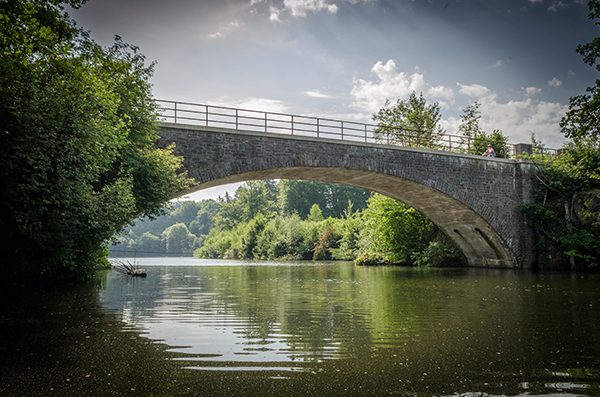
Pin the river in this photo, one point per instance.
(223, 328)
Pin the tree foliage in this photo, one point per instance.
(409, 122)
(582, 121)
(78, 159)
(566, 212)
(469, 124)
(496, 138)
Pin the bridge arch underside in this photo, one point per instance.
(479, 242)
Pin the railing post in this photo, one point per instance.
(265, 121)
(449, 143)
(175, 113)
(206, 115)
(236, 119)
(365, 133)
(317, 127)
(292, 124)
(342, 130)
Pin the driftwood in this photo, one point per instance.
(128, 268)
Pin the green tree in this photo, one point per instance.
(392, 232)
(497, 139)
(178, 239)
(316, 215)
(150, 244)
(78, 159)
(566, 213)
(582, 121)
(410, 122)
(469, 125)
(298, 196)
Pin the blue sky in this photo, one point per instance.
(343, 58)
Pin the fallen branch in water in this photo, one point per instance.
(128, 268)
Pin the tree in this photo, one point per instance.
(497, 139)
(178, 239)
(298, 196)
(393, 232)
(409, 122)
(566, 213)
(469, 125)
(582, 121)
(77, 160)
(316, 215)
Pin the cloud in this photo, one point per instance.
(391, 83)
(498, 63)
(570, 74)
(274, 14)
(530, 91)
(517, 118)
(473, 90)
(555, 82)
(556, 5)
(216, 35)
(259, 104)
(224, 30)
(301, 8)
(316, 94)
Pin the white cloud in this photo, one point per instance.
(259, 104)
(274, 14)
(517, 118)
(555, 82)
(554, 7)
(390, 83)
(498, 63)
(301, 8)
(216, 35)
(473, 90)
(570, 74)
(530, 91)
(224, 30)
(316, 94)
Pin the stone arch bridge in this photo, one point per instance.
(476, 201)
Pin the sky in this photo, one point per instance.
(343, 58)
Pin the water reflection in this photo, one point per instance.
(493, 329)
(230, 328)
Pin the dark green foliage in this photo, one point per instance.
(497, 139)
(566, 212)
(149, 236)
(78, 160)
(583, 117)
(386, 232)
(409, 122)
(298, 196)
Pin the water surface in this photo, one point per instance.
(201, 327)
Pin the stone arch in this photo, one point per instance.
(481, 245)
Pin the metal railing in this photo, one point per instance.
(308, 126)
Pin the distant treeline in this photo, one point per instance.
(295, 220)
